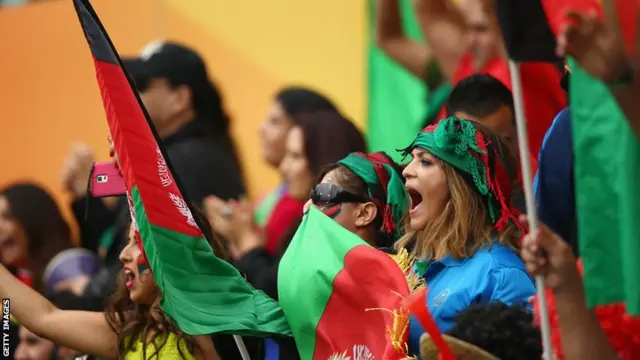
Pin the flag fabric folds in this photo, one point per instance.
(396, 99)
(607, 171)
(201, 293)
(349, 289)
(526, 31)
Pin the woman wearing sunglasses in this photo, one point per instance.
(316, 140)
(462, 225)
(365, 194)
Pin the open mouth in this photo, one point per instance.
(416, 199)
(130, 278)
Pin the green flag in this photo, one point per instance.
(201, 293)
(396, 99)
(346, 284)
(607, 175)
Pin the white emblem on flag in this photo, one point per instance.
(163, 170)
(360, 352)
(338, 356)
(132, 213)
(182, 207)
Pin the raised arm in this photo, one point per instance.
(80, 330)
(390, 37)
(580, 330)
(599, 48)
(444, 28)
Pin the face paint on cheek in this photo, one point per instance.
(142, 264)
(332, 211)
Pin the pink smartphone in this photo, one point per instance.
(106, 180)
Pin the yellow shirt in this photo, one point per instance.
(168, 351)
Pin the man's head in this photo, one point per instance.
(485, 100)
(506, 332)
(483, 32)
(174, 85)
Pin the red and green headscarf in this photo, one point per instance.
(460, 144)
(385, 187)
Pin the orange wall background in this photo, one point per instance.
(49, 97)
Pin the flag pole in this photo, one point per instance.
(241, 347)
(527, 178)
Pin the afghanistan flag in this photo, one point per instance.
(396, 99)
(607, 174)
(200, 292)
(349, 289)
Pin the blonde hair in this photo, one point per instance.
(462, 227)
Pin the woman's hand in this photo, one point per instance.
(234, 221)
(546, 254)
(77, 170)
(75, 285)
(113, 154)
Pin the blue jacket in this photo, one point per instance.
(491, 274)
(553, 184)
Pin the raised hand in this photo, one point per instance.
(556, 263)
(77, 169)
(596, 46)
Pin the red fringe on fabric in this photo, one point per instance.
(622, 330)
(500, 185)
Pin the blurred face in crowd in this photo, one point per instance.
(294, 166)
(13, 238)
(137, 276)
(501, 122)
(273, 133)
(33, 347)
(483, 35)
(164, 103)
(426, 183)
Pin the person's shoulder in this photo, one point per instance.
(496, 257)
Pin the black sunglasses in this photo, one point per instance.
(325, 193)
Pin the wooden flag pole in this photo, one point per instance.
(527, 177)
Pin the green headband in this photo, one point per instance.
(385, 187)
(453, 140)
(458, 143)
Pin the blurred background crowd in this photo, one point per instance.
(253, 100)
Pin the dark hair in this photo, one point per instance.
(297, 100)
(479, 95)
(46, 229)
(350, 181)
(328, 137)
(214, 121)
(507, 332)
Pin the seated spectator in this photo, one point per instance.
(288, 103)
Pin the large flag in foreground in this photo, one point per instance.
(349, 288)
(607, 174)
(200, 292)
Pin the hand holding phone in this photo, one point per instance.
(106, 180)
